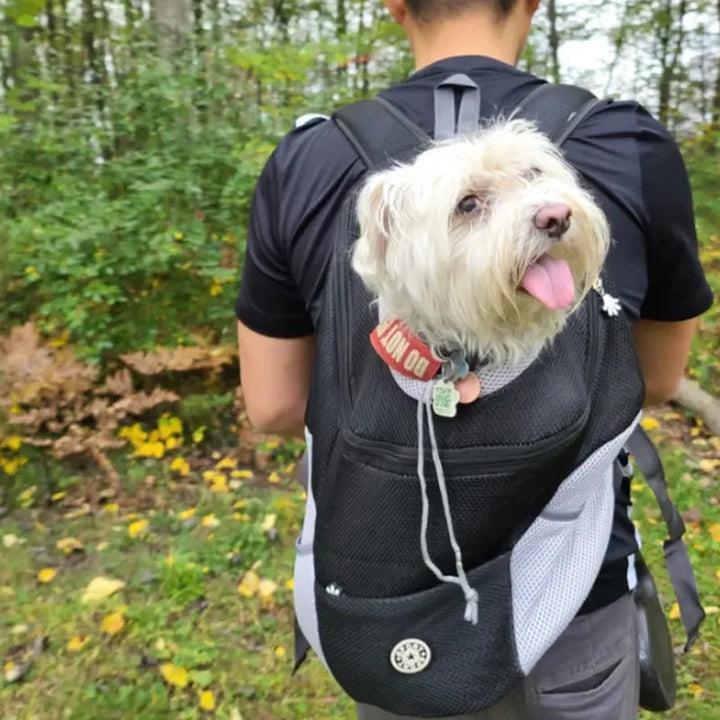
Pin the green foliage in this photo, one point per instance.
(128, 241)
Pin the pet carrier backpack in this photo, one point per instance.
(441, 557)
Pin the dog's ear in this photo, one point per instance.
(373, 214)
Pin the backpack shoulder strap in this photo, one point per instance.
(381, 134)
(677, 560)
(557, 109)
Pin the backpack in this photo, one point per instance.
(430, 588)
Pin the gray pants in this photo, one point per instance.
(592, 672)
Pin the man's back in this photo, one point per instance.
(634, 171)
(626, 159)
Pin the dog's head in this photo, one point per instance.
(485, 242)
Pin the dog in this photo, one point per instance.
(485, 243)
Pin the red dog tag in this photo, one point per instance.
(403, 351)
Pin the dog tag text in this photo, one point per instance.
(404, 352)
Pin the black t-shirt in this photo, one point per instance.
(625, 158)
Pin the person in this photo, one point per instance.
(634, 170)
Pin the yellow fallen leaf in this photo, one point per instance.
(241, 517)
(650, 423)
(250, 584)
(46, 575)
(10, 540)
(241, 474)
(12, 671)
(210, 521)
(269, 522)
(69, 545)
(207, 700)
(712, 610)
(240, 504)
(226, 464)
(112, 624)
(715, 532)
(101, 588)
(235, 714)
(186, 514)
(58, 496)
(274, 478)
(266, 588)
(280, 652)
(290, 584)
(694, 432)
(137, 528)
(288, 469)
(674, 612)
(709, 465)
(77, 643)
(695, 689)
(102, 546)
(174, 675)
(180, 465)
(111, 508)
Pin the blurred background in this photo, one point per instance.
(146, 531)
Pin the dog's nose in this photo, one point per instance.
(555, 219)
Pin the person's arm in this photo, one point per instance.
(677, 292)
(662, 349)
(275, 376)
(275, 333)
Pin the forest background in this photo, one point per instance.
(147, 532)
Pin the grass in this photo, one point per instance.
(181, 604)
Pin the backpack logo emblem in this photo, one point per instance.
(410, 656)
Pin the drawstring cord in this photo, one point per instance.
(471, 596)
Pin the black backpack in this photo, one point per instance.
(430, 588)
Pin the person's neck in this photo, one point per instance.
(466, 37)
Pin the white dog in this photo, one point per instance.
(485, 242)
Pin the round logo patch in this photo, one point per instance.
(410, 656)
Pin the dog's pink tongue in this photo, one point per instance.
(550, 281)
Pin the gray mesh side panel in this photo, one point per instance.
(556, 561)
(304, 574)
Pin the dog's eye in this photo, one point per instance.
(469, 204)
(532, 173)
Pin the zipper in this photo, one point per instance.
(465, 461)
(343, 316)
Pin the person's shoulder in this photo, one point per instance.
(624, 117)
(314, 145)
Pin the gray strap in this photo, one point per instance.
(677, 559)
(469, 111)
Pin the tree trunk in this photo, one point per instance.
(554, 41)
(341, 19)
(671, 28)
(69, 65)
(716, 95)
(172, 18)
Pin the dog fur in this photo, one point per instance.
(455, 277)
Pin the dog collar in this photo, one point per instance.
(404, 351)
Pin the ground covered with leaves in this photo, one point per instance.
(173, 599)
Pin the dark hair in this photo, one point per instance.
(434, 9)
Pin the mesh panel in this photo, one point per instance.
(550, 586)
(541, 402)
(471, 667)
(368, 540)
